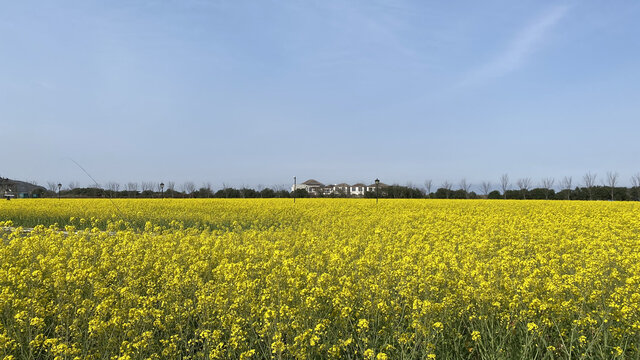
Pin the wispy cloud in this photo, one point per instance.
(521, 48)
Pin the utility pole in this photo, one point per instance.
(294, 189)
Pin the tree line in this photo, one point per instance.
(155, 190)
(589, 187)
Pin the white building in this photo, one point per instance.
(315, 188)
(342, 189)
(358, 189)
(312, 186)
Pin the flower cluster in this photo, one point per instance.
(324, 278)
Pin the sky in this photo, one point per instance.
(252, 93)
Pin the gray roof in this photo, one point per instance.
(313, 182)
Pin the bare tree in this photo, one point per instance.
(132, 186)
(589, 183)
(113, 186)
(171, 187)
(524, 184)
(189, 187)
(566, 185)
(465, 186)
(635, 183)
(209, 188)
(486, 188)
(147, 186)
(428, 184)
(447, 186)
(612, 179)
(73, 185)
(52, 186)
(504, 184)
(547, 184)
(411, 186)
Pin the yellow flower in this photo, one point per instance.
(368, 354)
(618, 350)
(328, 277)
(475, 335)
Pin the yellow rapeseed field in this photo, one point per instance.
(324, 278)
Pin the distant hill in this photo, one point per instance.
(20, 188)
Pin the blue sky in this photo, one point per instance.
(256, 92)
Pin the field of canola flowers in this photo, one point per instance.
(324, 279)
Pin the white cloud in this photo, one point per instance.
(521, 48)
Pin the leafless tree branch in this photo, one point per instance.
(504, 184)
(589, 183)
